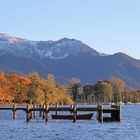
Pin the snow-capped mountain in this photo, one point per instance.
(16, 46)
(42, 49)
(66, 58)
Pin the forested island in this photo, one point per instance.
(32, 88)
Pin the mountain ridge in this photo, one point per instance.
(66, 58)
(43, 49)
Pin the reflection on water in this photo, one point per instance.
(127, 129)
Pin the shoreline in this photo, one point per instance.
(25, 104)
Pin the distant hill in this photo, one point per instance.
(66, 58)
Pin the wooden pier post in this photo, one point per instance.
(113, 114)
(40, 113)
(74, 112)
(31, 113)
(14, 112)
(119, 112)
(100, 113)
(34, 112)
(102, 119)
(71, 109)
(47, 113)
(56, 109)
(43, 114)
(116, 115)
(28, 115)
(97, 112)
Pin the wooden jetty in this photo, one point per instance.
(114, 111)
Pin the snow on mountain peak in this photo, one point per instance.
(62, 48)
(4, 37)
(10, 39)
(67, 41)
(42, 49)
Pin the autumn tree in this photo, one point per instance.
(4, 93)
(56, 93)
(65, 97)
(18, 86)
(47, 90)
(118, 88)
(36, 88)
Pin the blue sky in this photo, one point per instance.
(108, 26)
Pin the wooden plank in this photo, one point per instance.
(64, 109)
(87, 109)
(59, 109)
(6, 108)
(110, 110)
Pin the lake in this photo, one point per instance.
(127, 129)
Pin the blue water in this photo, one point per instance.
(127, 129)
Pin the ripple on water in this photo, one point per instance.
(128, 129)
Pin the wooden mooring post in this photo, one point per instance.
(47, 113)
(34, 112)
(119, 113)
(14, 112)
(40, 112)
(100, 113)
(43, 113)
(28, 114)
(56, 109)
(74, 112)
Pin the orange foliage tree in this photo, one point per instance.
(18, 86)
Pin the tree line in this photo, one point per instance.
(103, 91)
(32, 88)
